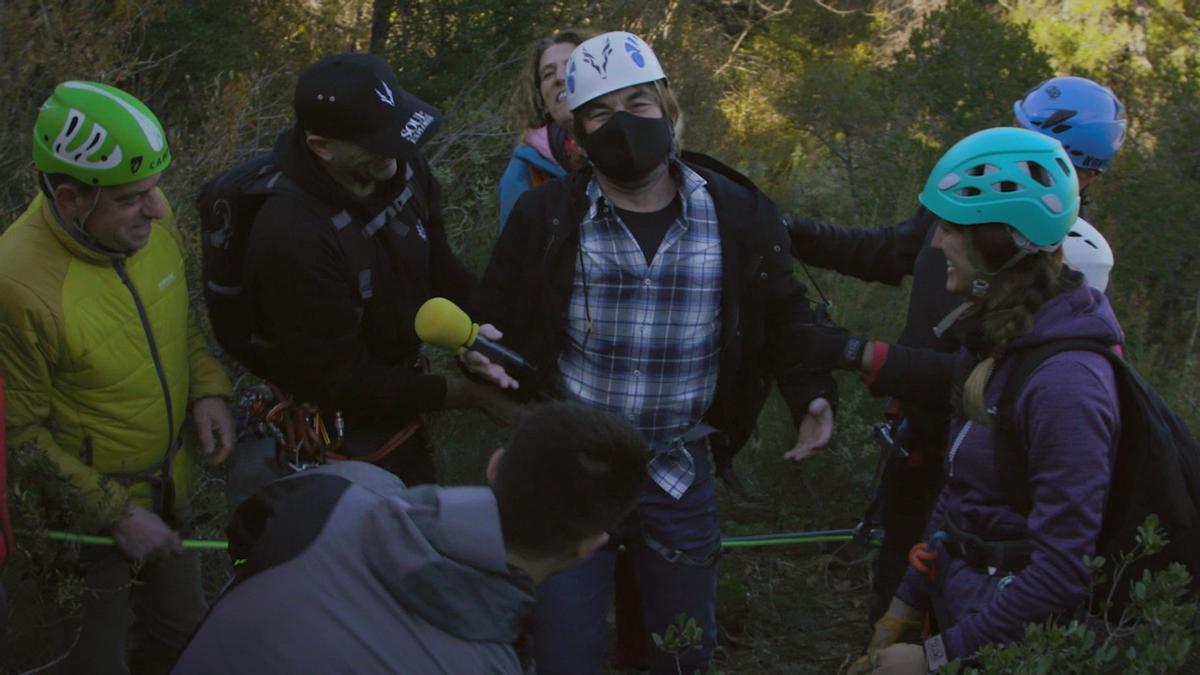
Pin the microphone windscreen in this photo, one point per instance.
(441, 323)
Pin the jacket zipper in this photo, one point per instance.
(119, 266)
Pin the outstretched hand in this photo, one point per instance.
(815, 431)
(479, 365)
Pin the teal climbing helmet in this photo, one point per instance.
(1007, 175)
(98, 135)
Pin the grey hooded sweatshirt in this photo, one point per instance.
(354, 573)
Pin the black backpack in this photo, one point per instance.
(1156, 470)
(228, 204)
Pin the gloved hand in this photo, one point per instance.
(902, 659)
(901, 623)
(828, 347)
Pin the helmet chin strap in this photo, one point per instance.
(982, 283)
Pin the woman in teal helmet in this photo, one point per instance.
(1005, 199)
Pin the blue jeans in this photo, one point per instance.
(674, 546)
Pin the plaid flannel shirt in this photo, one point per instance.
(643, 341)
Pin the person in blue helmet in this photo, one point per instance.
(546, 149)
(1089, 120)
(1003, 201)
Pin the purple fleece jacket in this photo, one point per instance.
(1068, 415)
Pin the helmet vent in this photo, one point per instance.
(967, 192)
(948, 181)
(1038, 173)
(1053, 203)
(1006, 186)
(982, 169)
(1087, 241)
(1055, 122)
(1063, 165)
(95, 139)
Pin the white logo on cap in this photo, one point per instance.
(415, 127)
(385, 97)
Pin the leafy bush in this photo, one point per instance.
(1153, 633)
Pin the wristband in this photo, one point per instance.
(935, 653)
(852, 353)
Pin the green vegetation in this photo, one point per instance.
(1152, 634)
(837, 108)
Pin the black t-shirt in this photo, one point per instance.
(650, 228)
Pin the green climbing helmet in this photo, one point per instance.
(98, 135)
(1007, 175)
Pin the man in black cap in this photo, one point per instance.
(337, 267)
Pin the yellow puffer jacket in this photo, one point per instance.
(85, 368)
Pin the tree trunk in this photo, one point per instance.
(381, 24)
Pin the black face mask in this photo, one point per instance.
(629, 147)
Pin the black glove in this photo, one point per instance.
(829, 347)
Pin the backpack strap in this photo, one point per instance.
(1012, 454)
(355, 240)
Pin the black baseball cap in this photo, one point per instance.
(356, 97)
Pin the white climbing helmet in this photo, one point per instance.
(1086, 252)
(609, 62)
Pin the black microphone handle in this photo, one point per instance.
(513, 362)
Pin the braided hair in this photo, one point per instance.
(1013, 297)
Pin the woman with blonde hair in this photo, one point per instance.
(545, 149)
(1005, 199)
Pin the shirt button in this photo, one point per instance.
(763, 276)
(778, 248)
(637, 373)
(646, 281)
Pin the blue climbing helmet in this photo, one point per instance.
(1086, 117)
(1007, 175)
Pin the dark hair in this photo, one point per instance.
(1013, 296)
(528, 110)
(57, 179)
(569, 472)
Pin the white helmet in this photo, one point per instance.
(609, 62)
(1086, 252)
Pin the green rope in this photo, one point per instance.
(109, 541)
(794, 538)
(785, 541)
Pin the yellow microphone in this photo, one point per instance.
(442, 323)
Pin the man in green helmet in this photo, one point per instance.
(103, 364)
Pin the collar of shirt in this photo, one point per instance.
(688, 181)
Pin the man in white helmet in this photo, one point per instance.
(655, 285)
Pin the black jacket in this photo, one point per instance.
(322, 343)
(764, 310)
(920, 366)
